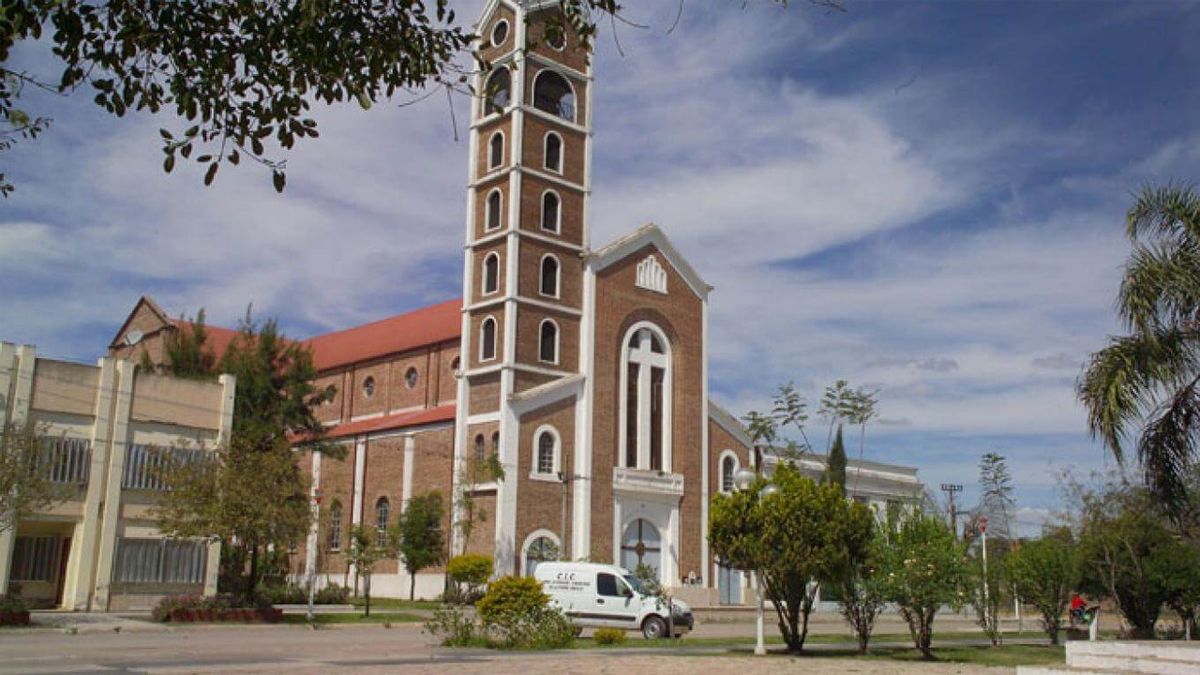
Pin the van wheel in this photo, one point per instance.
(654, 628)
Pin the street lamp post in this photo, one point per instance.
(742, 480)
(312, 568)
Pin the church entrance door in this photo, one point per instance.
(642, 545)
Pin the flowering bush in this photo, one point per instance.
(213, 607)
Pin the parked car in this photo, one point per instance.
(607, 596)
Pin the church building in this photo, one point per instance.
(583, 370)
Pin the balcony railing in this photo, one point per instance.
(66, 460)
(146, 466)
(647, 482)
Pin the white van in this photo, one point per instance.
(607, 596)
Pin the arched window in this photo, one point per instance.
(369, 387)
(411, 377)
(549, 280)
(382, 509)
(552, 93)
(540, 550)
(729, 466)
(487, 339)
(495, 442)
(495, 210)
(335, 526)
(641, 544)
(491, 273)
(498, 92)
(548, 341)
(454, 364)
(546, 451)
(480, 450)
(645, 409)
(551, 213)
(554, 152)
(496, 151)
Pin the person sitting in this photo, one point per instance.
(1078, 606)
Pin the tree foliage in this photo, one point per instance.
(862, 589)
(473, 472)
(418, 535)
(247, 497)
(186, 350)
(364, 553)
(243, 77)
(252, 494)
(996, 490)
(1125, 549)
(1143, 387)
(795, 537)
(835, 469)
(925, 571)
(26, 458)
(1045, 572)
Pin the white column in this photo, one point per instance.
(410, 453)
(16, 385)
(356, 499)
(89, 528)
(314, 527)
(112, 494)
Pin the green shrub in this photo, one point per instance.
(508, 599)
(516, 614)
(455, 628)
(609, 636)
(170, 604)
(12, 603)
(469, 572)
(331, 595)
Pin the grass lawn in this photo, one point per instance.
(395, 603)
(1005, 655)
(635, 640)
(375, 618)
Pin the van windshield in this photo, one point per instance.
(634, 584)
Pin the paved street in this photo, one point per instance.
(149, 648)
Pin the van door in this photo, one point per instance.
(614, 602)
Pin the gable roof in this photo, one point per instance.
(729, 423)
(651, 234)
(424, 326)
(149, 303)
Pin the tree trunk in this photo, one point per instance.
(412, 585)
(252, 582)
(368, 596)
(927, 633)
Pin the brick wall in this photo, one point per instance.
(620, 304)
(540, 502)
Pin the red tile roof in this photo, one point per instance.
(217, 338)
(415, 418)
(424, 326)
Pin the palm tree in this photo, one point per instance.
(1150, 377)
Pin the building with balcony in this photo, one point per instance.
(105, 430)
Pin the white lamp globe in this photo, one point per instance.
(743, 478)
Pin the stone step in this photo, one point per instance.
(1152, 658)
(1065, 670)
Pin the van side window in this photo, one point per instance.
(606, 584)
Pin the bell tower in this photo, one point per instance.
(526, 232)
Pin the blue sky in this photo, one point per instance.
(924, 198)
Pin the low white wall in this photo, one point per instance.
(429, 585)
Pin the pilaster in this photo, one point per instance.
(111, 508)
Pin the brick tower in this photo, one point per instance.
(526, 235)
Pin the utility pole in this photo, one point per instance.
(950, 489)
